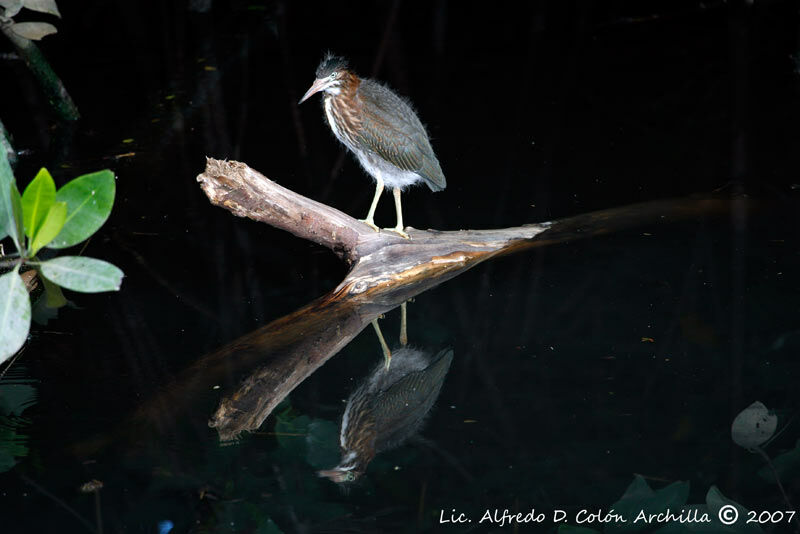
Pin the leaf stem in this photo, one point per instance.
(10, 262)
(58, 501)
(49, 81)
(17, 355)
(766, 457)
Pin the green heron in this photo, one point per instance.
(388, 408)
(381, 129)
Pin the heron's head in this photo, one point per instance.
(332, 74)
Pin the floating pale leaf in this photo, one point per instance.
(79, 273)
(89, 200)
(51, 226)
(32, 30)
(753, 426)
(36, 201)
(15, 314)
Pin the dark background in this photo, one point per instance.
(537, 111)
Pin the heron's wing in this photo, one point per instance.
(400, 410)
(391, 129)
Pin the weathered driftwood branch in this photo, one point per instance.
(379, 260)
(248, 193)
(383, 261)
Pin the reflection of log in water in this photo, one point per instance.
(283, 354)
(388, 408)
(279, 356)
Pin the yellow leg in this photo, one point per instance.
(370, 220)
(387, 354)
(399, 229)
(403, 325)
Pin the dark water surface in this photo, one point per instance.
(576, 365)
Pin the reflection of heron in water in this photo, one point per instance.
(389, 406)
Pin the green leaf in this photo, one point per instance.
(16, 397)
(43, 6)
(89, 200)
(787, 465)
(15, 314)
(36, 201)
(11, 7)
(639, 489)
(639, 497)
(571, 529)
(40, 313)
(6, 179)
(716, 500)
(54, 298)
(83, 274)
(8, 222)
(323, 444)
(291, 433)
(16, 210)
(269, 527)
(51, 226)
(32, 30)
(698, 525)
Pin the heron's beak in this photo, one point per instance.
(318, 85)
(336, 475)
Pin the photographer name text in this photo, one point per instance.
(726, 515)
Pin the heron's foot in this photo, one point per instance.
(371, 224)
(398, 231)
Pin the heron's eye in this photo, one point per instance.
(333, 75)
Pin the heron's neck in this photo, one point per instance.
(346, 89)
(355, 461)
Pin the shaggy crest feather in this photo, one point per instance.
(330, 63)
